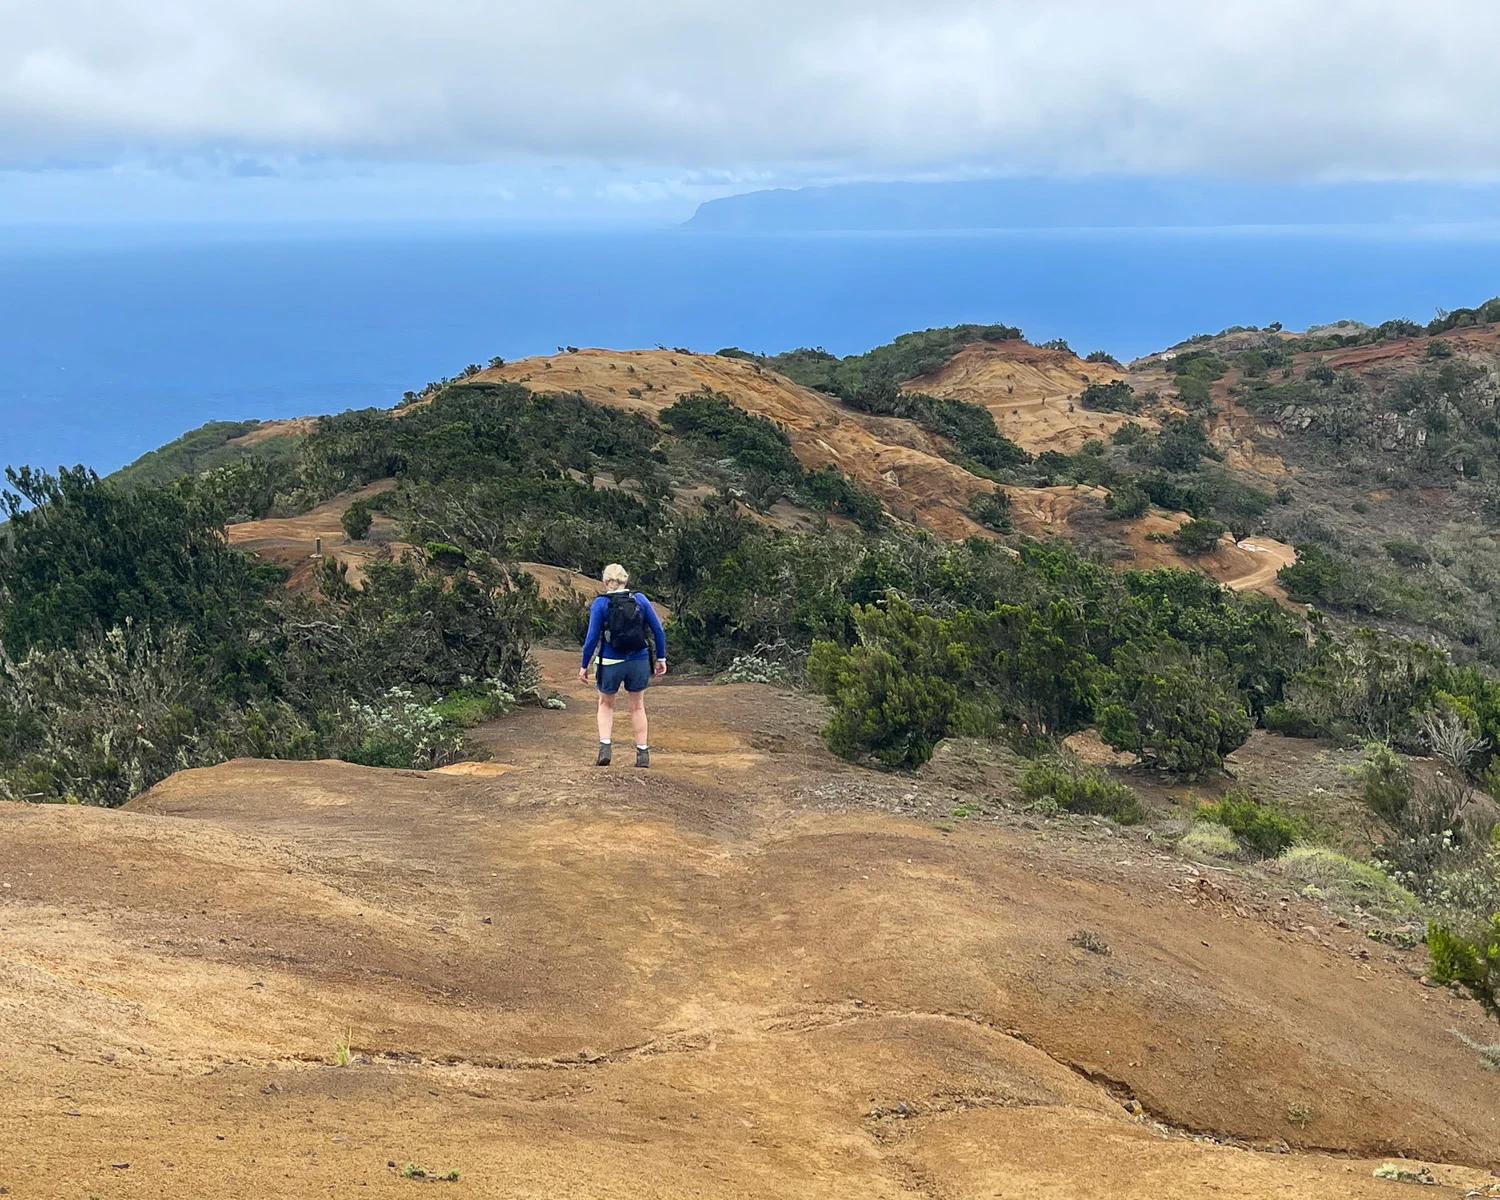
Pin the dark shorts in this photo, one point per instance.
(634, 673)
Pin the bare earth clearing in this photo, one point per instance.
(752, 971)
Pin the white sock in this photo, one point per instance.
(638, 746)
(604, 741)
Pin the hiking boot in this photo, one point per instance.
(603, 759)
(642, 756)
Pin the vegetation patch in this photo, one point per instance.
(1115, 396)
(1348, 880)
(1078, 788)
(1207, 839)
(1260, 828)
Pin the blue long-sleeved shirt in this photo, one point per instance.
(596, 630)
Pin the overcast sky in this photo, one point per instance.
(651, 106)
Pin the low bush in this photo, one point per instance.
(397, 730)
(1349, 880)
(356, 520)
(1115, 396)
(1126, 501)
(474, 702)
(1179, 711)
(830, 490)
(1209, 840)
(1198, 536)
(1261, 828)
(894, 695)
(1078, 788)
(992, 510)
(1469, 958)
(753, 441)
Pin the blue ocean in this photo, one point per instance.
(113, 343)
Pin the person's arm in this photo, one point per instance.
(657, 632)
(591, 639)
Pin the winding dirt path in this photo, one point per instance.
(1273, 556)
(752, 971)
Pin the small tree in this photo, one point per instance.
(356, 520)
(1115, 396)
(992, 510)
(1126, 501)
(1178, 711)
(1198, 536)
(893, 695)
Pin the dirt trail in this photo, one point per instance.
(752, 971)
(293, 542)
(1273, 555)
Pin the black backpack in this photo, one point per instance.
(624, 625)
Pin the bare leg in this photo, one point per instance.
(606, 716)
(638, 716)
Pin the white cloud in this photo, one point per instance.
(1269, 87)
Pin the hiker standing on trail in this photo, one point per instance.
(618, 622)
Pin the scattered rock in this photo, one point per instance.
(1402, 1174)
(1088, 746)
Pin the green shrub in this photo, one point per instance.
(473, 702)
(1198, 536)
(1115, 396)
(909, 356)
(881, 706)
(1408, 554)
(969, 427)
(992, 510)
(397, 730)
(1180, 712)
(1209, 840)
(753, 441)
(894, 694)
(1193, 392)
(356, 520)
(1288, 720)
(444, 554)
(829, 489)
(1349, 880)
(1470, 959)
(1260, 827)
(1126, 501)
(1438, 348)
(1081, 789)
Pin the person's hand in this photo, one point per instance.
(661, 666)
(583, 674)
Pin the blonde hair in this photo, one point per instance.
(615, 573)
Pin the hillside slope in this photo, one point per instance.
(895, 458)
(751, 972)
(1030, 392)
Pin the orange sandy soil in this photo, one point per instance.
(897, 460)
(1031, 392)
(894, 458)
(752, 971)
(287, 427)
(292, 542)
